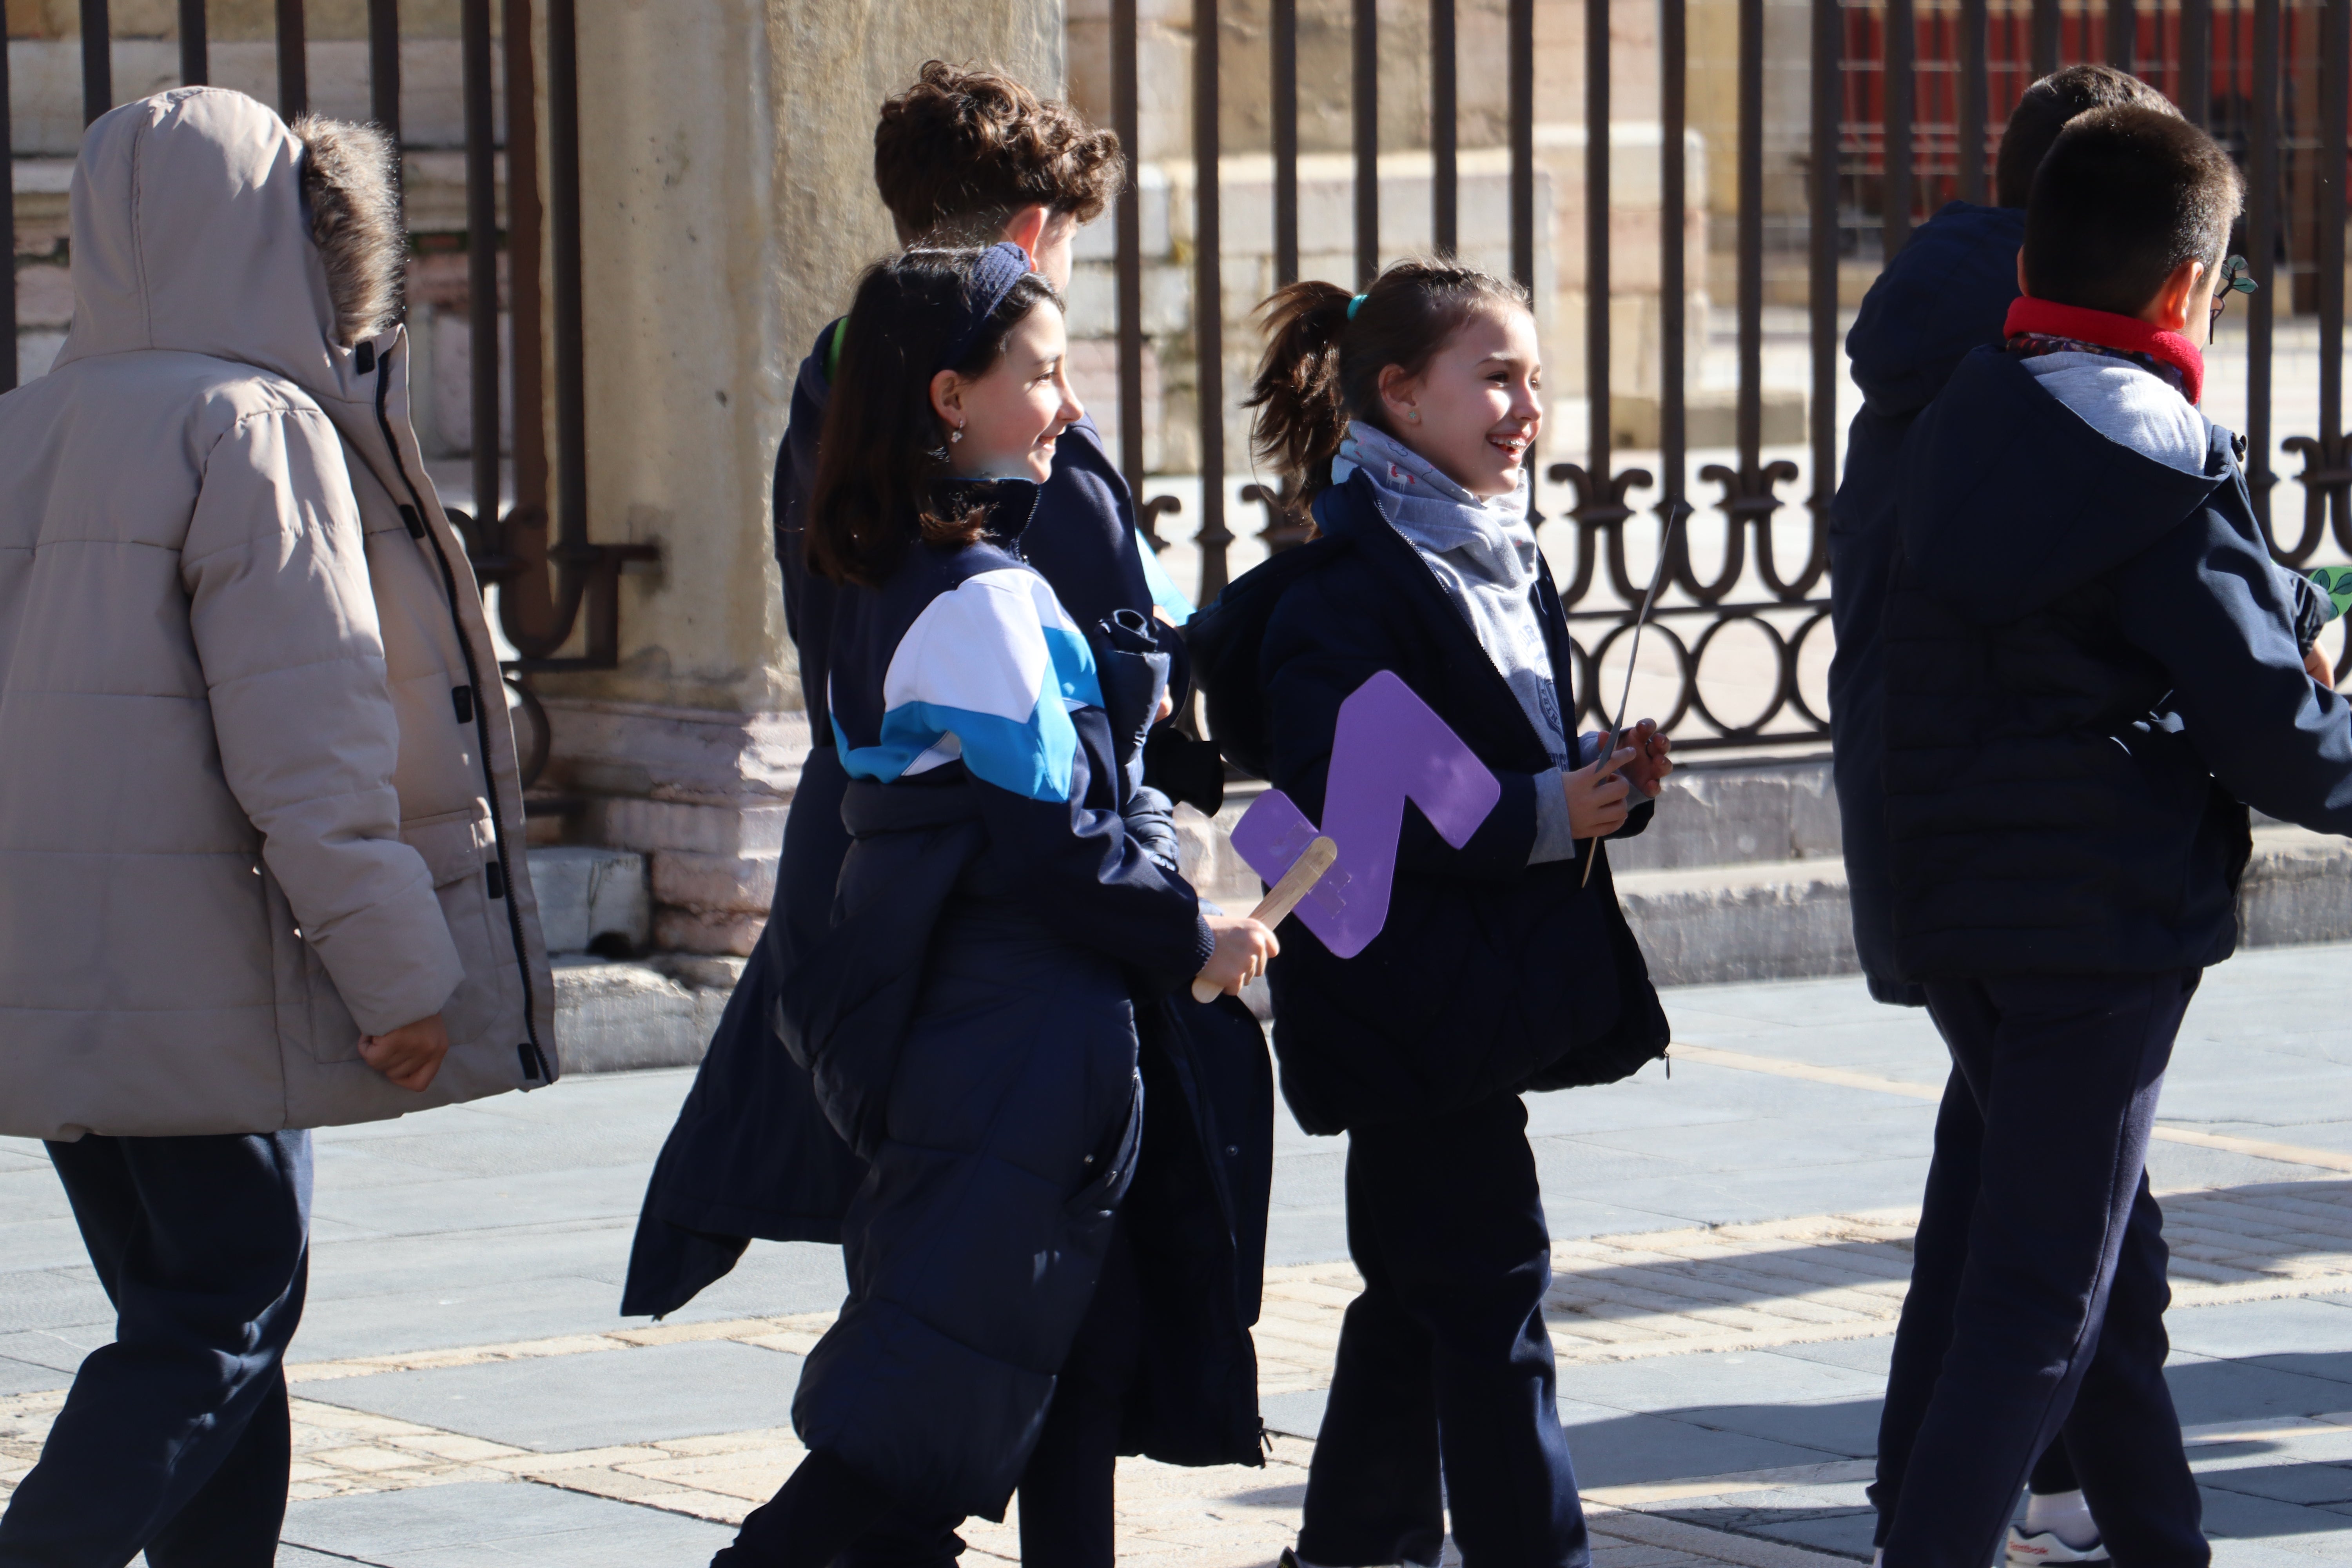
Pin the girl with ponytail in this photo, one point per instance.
(1403, 421)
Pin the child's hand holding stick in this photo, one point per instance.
(1599, 795)
(1649, 744)
(1253, 942)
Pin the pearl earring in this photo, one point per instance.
(956, 434)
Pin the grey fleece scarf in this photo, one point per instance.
(1484, 555)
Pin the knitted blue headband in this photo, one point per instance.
(1000, 266)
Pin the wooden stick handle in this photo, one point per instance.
(1284, 897)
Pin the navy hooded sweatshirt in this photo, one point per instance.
(2091, 671)
(1943, 295)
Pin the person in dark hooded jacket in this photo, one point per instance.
(2091, 671)
(1944, 294)
(969, 1021)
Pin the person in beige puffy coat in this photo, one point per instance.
(261, 860)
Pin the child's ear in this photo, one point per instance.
(947, 396)
(1399, 395)
(2174, 308)
(1026, 228)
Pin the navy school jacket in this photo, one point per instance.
(1491, 974)
(1948, 291)
(968, 1023)
(724, 1178)
(752, 1154)
(2091, 671)
(966, 664)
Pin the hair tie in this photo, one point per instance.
(1355, 304)
(992, 276)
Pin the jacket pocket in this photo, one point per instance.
(454, 843)
(311, 1018)
(457, 849)
(1096, 1201)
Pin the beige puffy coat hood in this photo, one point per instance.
(258, 788)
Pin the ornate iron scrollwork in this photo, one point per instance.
(2326, 480)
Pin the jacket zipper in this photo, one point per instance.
(528, 1052)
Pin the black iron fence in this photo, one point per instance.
(1905, 98)
(531, 545)
(2269, 76)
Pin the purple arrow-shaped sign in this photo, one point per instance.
(1390, 748)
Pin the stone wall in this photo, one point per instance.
(727, 204)
(1326, 200)
(44, 63)
(1327, 223)
(46, 128)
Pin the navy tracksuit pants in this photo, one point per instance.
(1944, 1212)
(174, 1438)
(1444, 1366)
(2038, 1290)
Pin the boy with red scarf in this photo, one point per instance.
(2091, 671)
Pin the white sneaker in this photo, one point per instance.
(2032, 1551)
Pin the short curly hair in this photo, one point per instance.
(964, 148)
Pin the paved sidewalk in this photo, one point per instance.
(1731, 1243)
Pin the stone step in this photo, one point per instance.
(1698, 925)
(1780, 920)
(658, 1012)
(1783, 921)
(592, 898)
(1737, 813)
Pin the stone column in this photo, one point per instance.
(727, 202)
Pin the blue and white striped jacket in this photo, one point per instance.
(987, 672)
(965, 667)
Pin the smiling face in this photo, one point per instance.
(1011, 414)
(1476, 407)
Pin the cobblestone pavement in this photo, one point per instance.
(1720, 1361)
(1616, 1298)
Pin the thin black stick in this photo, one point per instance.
(1616, 728)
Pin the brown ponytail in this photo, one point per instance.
(1322, 368)
(1300, 417)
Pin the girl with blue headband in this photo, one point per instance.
(971, 1023)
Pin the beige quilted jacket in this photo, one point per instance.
(257, 789)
